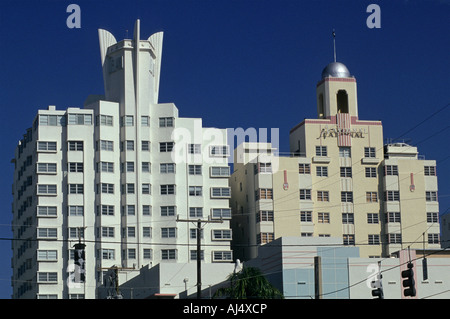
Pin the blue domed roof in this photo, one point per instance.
(336, 70)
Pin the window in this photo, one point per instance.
(106, 145)
(264, 216)
(342, 101)
(224, 213)
(306, 216)
(369, 152)
(146, 210)
(47, 232)
(46, 146)
(168, 254)
(166, 168)
(195, 212)
(222, 256)
(431, 196)
(323, 196)
(372, 218)
(52, 120)
(130, 210)
(107, 210)
(167, 189)
(108, 232)
(145, 120)
(129, 145)
(195, 191)
(433, 238)
(128, 120)
(264, 193)
(168, 232)
(391, 170)
(166, 121)
(80, 119)
(107, 188)
(168, 210)
(265, 167)
(75, 145)
(345, 152)
(76, 167)
(76, 232)
(395, 238)
(47, 211)
(394, 217)
(108, 254)
(194, 148)
(107, 167)
(305, 194)
(348, 239)
(131, 253)
(47, 277)
(348, 218)
(374, 239)
(129, 167)
(219, 150)
(304, 168)
(346, 171)
(221, 234)
(195, 170)
(131, 232)
(166, 146)
(223, 192)
(371, 197)
(323, 218)
(76, 210)
(220, 171)
(347, 197)
(322, 171)
(321, 151)
(193, 255)
(432, 217)
(46, 167)
(147, 253)
(146, 189)
(146, 167)
(147, 232)
(391, 196)
(430, 171)
(47, 255)
(145, 145)
(43, 189)
(371, 172)
(105, 120)
(129, 188)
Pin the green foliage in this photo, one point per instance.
(248, 283)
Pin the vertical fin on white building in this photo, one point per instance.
(156, 41)
(106, 40)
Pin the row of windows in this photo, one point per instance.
(108, 167)
(369, 152)
(130, 232)
(346, 196)
(349, 239)
(109, 210)
(129, 188)
(106, 145)
(104, 120)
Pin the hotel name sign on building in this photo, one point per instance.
(336, 132)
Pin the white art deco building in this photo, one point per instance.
(114, 176)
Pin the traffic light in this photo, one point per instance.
(80, 263)
(408, 282)
(378, 287)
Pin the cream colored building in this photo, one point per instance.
(339, 180)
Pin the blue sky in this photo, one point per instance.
(246, 63)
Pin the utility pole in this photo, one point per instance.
(199, 264)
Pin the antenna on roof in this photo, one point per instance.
(334, 44)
